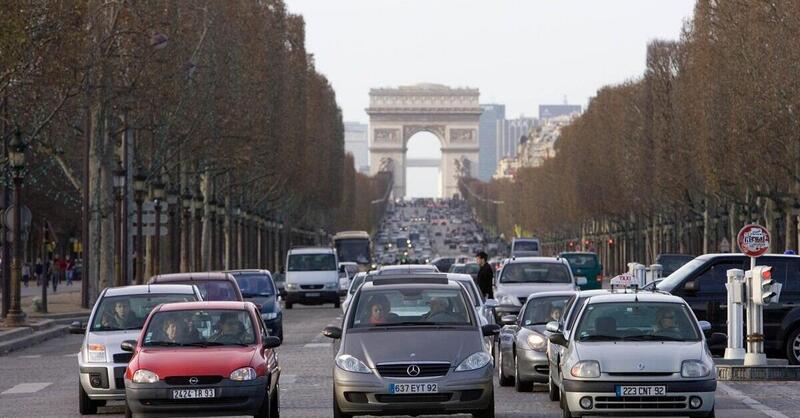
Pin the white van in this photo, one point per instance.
(525, 247)
(312, 277)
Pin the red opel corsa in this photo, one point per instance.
(203, 359)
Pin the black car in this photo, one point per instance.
(258, 287)
(701, 282)
(672, 262)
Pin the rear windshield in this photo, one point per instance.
(216, 290)
(526, 246)
(254, 284)
(582, 261)
(129, 312)
(535, 273)
(411, 307)
(312, 262)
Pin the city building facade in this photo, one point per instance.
(356, 142)
(492, 116)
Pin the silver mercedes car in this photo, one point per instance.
(412, 346)
(117, 316)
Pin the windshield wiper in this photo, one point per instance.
(599, 337)
(161, 344)
(648, 337)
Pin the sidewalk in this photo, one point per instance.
(62, 309)
(33, 290)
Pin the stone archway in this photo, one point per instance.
(452, 115)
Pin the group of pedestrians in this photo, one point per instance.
(49, 272)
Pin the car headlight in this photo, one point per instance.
(474, 362)
(509, 300)
(243, 374)
(536, 341)
(349, 363)
(269, 315)
(694, 368)
(586, 368)
(332, 286)
(144, 376)
(291, 286)
(96, 353)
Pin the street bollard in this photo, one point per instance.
(735, 286)
(639, 274)
(655, 272)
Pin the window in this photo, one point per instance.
(535, 273)
(582, 261)
(254, 284)
(410, 307)
(312, 262)
(636, 321)
(129, 312)
(200, 328)
(713, 280)
(526, 246)
(216, 290)
(540, 311)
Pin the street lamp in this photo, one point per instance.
(119, 191)
(158, 197)
(172, 207)
(16, 158)
(139, 189)
(187, 203)
(198, 229)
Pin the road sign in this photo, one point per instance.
(753, 240)
(25, 213)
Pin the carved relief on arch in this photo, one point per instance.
(410, 130)
(462, 136)
(386, 136)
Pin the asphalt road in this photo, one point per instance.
(42, 381)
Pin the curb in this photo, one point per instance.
(32, 339)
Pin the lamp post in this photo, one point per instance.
(158, 197)
(139, 189)
(16, 158)
(172, 231)
(198, 230)
(119, 187)
(187, 203)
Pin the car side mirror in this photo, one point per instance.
(558, 338)
(717, 338)
(272, 342)
(332, 332)
(690, 286)
(508, 319)
(490, 330)
(491, 303)
(581, 281)
(705, 326)
(552, 327)
(77, 327)
(128, 345)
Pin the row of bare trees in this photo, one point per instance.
(217, 100)
(677, 160)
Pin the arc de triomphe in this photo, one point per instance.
(452, 115)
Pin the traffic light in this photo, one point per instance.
(761, 285)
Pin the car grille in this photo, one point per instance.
(425, 369)
(643, 374)
(201, 380)
(640, 402)
(311, 286)
(123, 357)
(421, 397)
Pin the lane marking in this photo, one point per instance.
(752, 403)
(317, 345)
(31, 356)
(26, 388)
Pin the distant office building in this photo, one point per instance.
(511, 132)
(552, 111)
(488, 136)
(356, 142)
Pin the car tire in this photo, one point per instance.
(793, 346)
(275, 403)
(487, 412)
(265, 410)
(128, 412)
(519, 384)
(85, 405)
(289, 305)
(711, 414)
(552, 391)
(501, 376)
(337, 413)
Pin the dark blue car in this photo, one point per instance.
(258, 287)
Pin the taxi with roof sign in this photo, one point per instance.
(631, 350)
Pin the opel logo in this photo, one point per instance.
(413, 370)
(640, 366)
(193, 380)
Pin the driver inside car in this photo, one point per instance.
(231, 331)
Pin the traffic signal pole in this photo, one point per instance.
(735, 286)
(755, 320)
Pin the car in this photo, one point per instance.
(407, 269)
(258, 287)
(443, 263)
(357, 281)
(525, 247)
(280, 283)
(634, 350)
(522, 344)
(203, 358)
(585, 264)
(101, 361)
(701, 282)
(464, 259)
(523, 276)
(412, 346)
(312, 277)
(466, 268)
(671, 262)
(216, 286)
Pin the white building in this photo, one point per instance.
(356, 142)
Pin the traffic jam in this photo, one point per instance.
(432, 315)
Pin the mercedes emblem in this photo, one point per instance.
(640, 366)
(193, 380)
(413, 370)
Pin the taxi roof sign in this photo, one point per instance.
(624, 280)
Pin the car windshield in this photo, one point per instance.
(254, 284)
(410, 307)
(526, 246)
(312, 262)
(582, 261)
(200, 328)
(355, 250)
(539, 311)
(535, 273)
(677, 277)
(636, 321)
(216, 290)
(129, 312)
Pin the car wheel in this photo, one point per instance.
(501, 375)
(488, 412)
(793, 347)
(519, 384)
(337, 413)
(552, 390)
(85, 405)
(275, 403)
(289, 305)
(711, 414)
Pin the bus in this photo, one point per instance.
(354, 246)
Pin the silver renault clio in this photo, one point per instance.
(412, 345)
(641, 352)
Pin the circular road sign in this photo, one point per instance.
(753, 240)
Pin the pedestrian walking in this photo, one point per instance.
(26, 273)
(485, 275)
(70, 270)
(38, 270)
(52, 273)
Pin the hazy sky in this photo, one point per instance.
(521, 53)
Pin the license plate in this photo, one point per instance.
(312, 295)
(192, 393)
(641, 390)
(409, 388)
